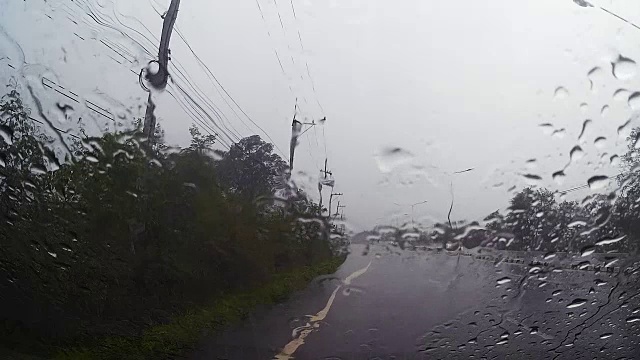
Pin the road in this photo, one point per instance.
(388, 303)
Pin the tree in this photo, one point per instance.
(250, 169)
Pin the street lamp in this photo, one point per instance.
(451, 207)
(412, 206)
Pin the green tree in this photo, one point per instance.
(250, 169)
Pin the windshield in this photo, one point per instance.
(296, 179)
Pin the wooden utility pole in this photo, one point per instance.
(158, 80)
(338, 208)
(325, 182)
(331, 198)
(325, 171)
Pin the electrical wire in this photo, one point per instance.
(204, 67)
(207, 101)
(196, 119)
(198, 108)
(215, 79)
(580, 187)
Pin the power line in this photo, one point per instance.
(217, 112)
(205, 68)
(201, 111)
(621, 18)
(214, 78)
(580, 187)
(56, 129)
(197, 120)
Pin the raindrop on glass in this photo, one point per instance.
(633, 319)
(559, 134)
(585, 127)
(614, 160)
(559, 177)
(560, 93)
(576, 153)
(621, 94)
(598, 182)
(634, 101)
(600, 142)
(588, 250)
(624, 68)
(584, 107)
(576, 303)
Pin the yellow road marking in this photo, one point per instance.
(293, 345)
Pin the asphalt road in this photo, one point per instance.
(387, 303)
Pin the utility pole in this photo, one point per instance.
(412, 206)
(325, 170)
(325, 182)
(159, 79)
(296, 132)
(296, 127)
(331, 198)
(338, 209)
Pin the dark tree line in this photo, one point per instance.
(123, 235)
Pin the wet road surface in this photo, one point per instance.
(387, 303)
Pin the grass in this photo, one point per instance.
(185, 330)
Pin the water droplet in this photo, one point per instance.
(556, 293)
(576, 153)
(582, 3)
(559, 134)
(584, 107)
(606, 335)
(6, 133)
(604, 112)
(502, 342)
(588, 250)
(38, 170)
(600, 142)
(576, 303)
(598, 182)
(624, 68)
(560, 93)
(633, 319)
(621, 94)
(390, 158)
(585, 126)
(558, 177)
(610, 241)
(503, 280)
(532, 177)
(550, 255)
(594, 74)
(547, 128)
(92, 159)
(52, 254)
(614, 160)
(634, 101)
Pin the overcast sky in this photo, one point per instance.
(413, 91)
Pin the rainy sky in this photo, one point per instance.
(413, 91)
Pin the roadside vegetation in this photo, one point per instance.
(134, 248)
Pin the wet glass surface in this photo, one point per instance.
(272, 179)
